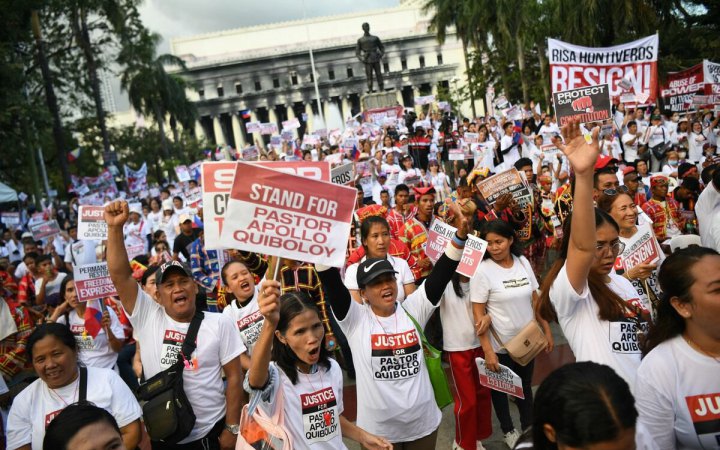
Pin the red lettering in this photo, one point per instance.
(394, 341)
(316, 398)
(173, 335)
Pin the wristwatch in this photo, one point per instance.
(234, 429)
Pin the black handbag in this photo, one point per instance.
(167, 413)
(659, 150)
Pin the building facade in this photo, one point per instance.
(263, 73)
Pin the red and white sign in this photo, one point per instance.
(217, 180)
(44, 230)
(182, 173)
(439, 235)
(291, 124)
(92, 281)
(11, 219)
(193, 197)
(91, 223)
(505, 380)
(274, 213)
(472, 256)
(642, 248)
(573, 66)
(456, 154)
(677, 94)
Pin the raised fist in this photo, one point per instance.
(583, 104)
(116, 213)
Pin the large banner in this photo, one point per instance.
(274, 213)
(217, 180)
(573, 66)
(701, 79)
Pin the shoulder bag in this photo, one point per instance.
(433, 362)
(259, 431)
(167, 413)
(526, 345)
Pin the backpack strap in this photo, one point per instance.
(83, 384)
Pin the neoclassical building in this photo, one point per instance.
(263, 73)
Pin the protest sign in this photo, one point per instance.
(136, 179)
(182, 173)
(10, 219)
(252, 127)
(92, 281)
(514, 113)
(342, 174)
(412, 181)
(350, 143)
(335, 159)
(424, 100)
(217, 179)
(505, 380)
(642, 248)
(573, 66)
(472, 256)
(193, 197)
(276, 141)
(287, 136)
(310, 139)
(22, 196)
(549, 150)
(456, 154)
(501, 102)
(585, 104)
(291, 124)
(250, 153)
(471, 138)
(677, 93)
(439, 234)
(134, 249)
(91, 223)
(376, 115)
(268, 128)
(45, 229)
(509, 181)
(289, 216)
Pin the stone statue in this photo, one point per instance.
(370, 51)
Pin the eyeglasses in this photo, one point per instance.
(615, 247)
(618, 190)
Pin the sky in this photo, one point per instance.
(182, 18)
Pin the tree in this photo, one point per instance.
(152, 91)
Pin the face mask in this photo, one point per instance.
(673, 162)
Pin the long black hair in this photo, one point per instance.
(58, 330)
(71, 420)
(293, 304)
(63, 285)
(610, 305)
(676, 279)
(585, 403)
(504, 229)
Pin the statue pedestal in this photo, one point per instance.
(378, 100)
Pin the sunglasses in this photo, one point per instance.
(619, 190)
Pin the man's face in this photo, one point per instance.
(178, 203)
(385, 198)
(359, 198)
(528, 172)
(660, 190)
(401, 198)
(607, 181)
(31, 247)
(186, 227)
(177, 294)
(426, 203)
(632, 183)
(632, 129)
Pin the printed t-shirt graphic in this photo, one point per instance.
(624, 332)
(395, 356)
(84, 340)
(250, 327)
(320, 415)
(704, 411)
(172, 344)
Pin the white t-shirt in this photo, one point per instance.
(548, 132)
(161, 339)
(507, 294)
(457, 320)
(410, 173)
(678, 397)
(706, 209)
(513, 155)
(614, 344)
(395, 397)
(94, 352)
(154, 219)
(248, 319)
(53, 287)
(37, 405)
(312, 407)
(695, 145)
(136, 233)
(81, 252)
(631, 150)
(403, 276)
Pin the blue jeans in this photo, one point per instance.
(124, 363)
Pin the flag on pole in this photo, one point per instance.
(354, 153)
(93, 319)
(73, 155)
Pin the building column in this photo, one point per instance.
(237, 131)
(290, 116)
(346, 110)
(256, 137)
(199, 131)
(416, 94)
(434, 92)
(399, 97)
(326, 111)
(217, 129)
(309, 113)
(272, 116)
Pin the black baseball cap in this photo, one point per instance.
(372, 268)
(170, 267)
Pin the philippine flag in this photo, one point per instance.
(93, 319)
(354, 153)
(73, 155)
(245, 114)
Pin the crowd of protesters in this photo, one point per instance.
(649, 334)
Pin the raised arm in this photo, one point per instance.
(269, 306)
(443, 270)
(116, 214)
(582, 157)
